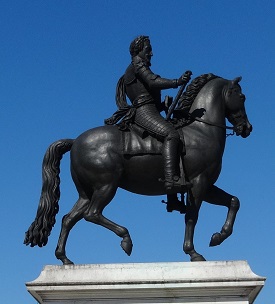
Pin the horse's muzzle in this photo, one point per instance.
(243, 129)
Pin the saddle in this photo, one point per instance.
(137, 141)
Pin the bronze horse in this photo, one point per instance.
(98, 168)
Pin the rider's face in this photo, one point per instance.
(146, 52)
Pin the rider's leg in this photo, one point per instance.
(171, 161)
(148, 117)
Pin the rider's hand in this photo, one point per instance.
(184, 78)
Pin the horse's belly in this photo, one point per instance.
(143, 174)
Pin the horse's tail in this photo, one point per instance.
(40, 229)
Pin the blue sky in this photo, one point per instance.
(60, 61)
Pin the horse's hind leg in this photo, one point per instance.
(219, 197)
(100, 199)
(68, 221)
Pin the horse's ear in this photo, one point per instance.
(232, 83)
(236, 80)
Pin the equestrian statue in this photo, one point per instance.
(143, 152)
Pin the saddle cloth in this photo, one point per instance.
(136, 144)
(141, 143)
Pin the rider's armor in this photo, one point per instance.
(143, 88)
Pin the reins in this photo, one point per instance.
(214, 124)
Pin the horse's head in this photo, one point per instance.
(235, 109)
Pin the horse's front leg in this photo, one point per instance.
(191, 218)
(219, 197)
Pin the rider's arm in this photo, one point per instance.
(151, 79)
(155, 81)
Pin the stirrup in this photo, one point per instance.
(176, 185)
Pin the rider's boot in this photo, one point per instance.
(173, 183)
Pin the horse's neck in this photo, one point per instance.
(210, 101)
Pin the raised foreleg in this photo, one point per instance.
(219, 197)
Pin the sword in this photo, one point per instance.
(176, 100)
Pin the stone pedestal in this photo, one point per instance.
(221, 282)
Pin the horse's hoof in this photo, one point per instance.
(64, 260)
(216, 239)
(127, 245)
(67, 262)
(197, 258)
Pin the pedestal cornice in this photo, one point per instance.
(184, 282)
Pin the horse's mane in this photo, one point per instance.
(192, 91)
